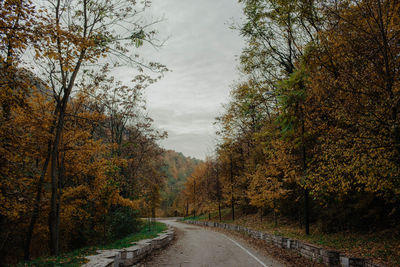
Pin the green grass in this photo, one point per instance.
(197, 218)
(77, 257)
(214, 216)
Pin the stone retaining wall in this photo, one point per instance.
(313, 252)
(130, 255)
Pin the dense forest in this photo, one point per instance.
(310, 133)
(79, 157)
(313, 132)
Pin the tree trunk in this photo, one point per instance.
(54, 205)
(275, 216)
(194, 197)
(306, 212)
(153, 213)
(306, 204)
(232, 200)
(53, 209)
(233, 209)
(36, 207)
(219, 211)
(61, 171)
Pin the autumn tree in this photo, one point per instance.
(76, 34)
(70, 132)
(276, 33)
(354, 78)
(16, 22)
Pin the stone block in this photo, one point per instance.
(330, 257)
(344, 261)
(370, 264)
(284, 242)
(356, 262)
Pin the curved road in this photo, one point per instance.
(199, 246)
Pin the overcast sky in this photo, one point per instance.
(201, 52)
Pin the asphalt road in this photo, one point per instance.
(199, 246)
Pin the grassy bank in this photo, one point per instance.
(77, 257)
(382, 246)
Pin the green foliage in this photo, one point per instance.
(138, 37)
(291, 94)
(76, 258)
(122, 221)
(313, 132)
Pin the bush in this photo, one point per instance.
(122, 221)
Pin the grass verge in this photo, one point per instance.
(77, 257)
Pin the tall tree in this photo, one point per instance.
(76, 35)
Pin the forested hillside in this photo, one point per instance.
(177, 168)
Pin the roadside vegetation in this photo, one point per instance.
(381, 246)
(310, 137)
(79, 157)
(77, 257)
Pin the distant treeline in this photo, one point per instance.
(177, 169)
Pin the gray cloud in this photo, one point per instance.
(201, 51)
(191, 144)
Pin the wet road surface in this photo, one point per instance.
(199, 246)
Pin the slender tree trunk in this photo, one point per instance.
(194, 196)
(104, 227)
(219, 211)
(219, 194)
(153, 213)
(61, 172)
(36, 207)
(306, 200)
(54, 205)
(149, 218)
(306, 212)
(233, 209)
(300, 218)
(232, 199)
